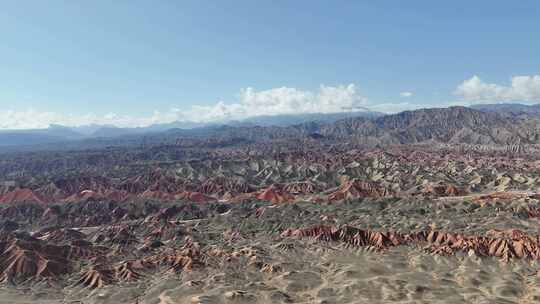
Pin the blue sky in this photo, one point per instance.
(137, 62)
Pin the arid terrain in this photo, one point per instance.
(430, 206)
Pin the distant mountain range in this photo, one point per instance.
(495, 124)
(510, 109)
(452, 125)
(59, 133)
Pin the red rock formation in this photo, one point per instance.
(178, 260)
(51, 193)
(516, 245)
(452, 190)
(158, 195)
(21, 196)
(31, 260)
(50, 214)
(442, 190)
(221, 184)
(186, 195)
(100, 275)
(500, 196)
(534, 212)
(96, 277)
(301, 188)
(350, 235)
(358, 189)
(107, 195)
(73, 185)
(127, 271)
(275, 195)
(165, 231)
(196, 197)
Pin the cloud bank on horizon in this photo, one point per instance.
(284, 100)
(522, 88)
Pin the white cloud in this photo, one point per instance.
(284, 100)
(406, 94)
(522, 88)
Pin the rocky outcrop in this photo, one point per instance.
(358, 189)
(275, 195)
(22, 260)
(515, 245)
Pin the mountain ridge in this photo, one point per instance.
(444, 125)
(57, 133)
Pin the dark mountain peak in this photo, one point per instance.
(453, 124)
(440, 117)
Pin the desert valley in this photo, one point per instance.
(436, 205)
